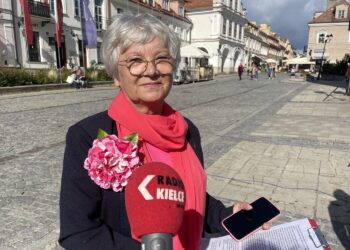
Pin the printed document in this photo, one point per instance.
(293, 235)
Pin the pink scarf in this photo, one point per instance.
(167, 132)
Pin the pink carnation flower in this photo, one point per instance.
(111, 161)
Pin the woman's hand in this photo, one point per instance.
(246, 206)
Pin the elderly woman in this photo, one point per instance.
(140, 53)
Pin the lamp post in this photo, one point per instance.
(327, 39)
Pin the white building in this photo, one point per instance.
(8, 55)
(15, 51)
(218, 29)
(171, 12)
(43, 53)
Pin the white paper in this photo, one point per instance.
(293, 235)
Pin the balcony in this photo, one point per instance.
(40, 9)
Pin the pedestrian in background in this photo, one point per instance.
(256, 72)
(269, 71)
(79, 78)
(240, 71)
(252, 71)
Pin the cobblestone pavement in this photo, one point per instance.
(285, 140)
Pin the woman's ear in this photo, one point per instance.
(116, 82)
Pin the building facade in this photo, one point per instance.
(335, 22)
(262, 45)
(218, 29)
(8, 54)
(171, 12)
(44, 52)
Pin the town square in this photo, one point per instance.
(272, 108)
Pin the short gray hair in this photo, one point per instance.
(128, 29)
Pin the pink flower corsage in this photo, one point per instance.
(111, 160)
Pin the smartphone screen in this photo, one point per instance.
(243, 223)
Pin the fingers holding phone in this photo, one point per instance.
(246, 206)
(241, 206)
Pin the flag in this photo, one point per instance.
(59, 21)
(88, 26)
(27, 22)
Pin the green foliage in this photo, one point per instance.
(103, 76)
(338, 68)
(44, 76)
(14, 77)
(19, 77)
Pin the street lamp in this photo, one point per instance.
(326, 40)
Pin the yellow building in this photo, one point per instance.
(329, 35)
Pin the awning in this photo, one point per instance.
(261, 58)
(298, 60)
(193, 52)
(269, 60)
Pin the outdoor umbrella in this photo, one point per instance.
(193, 52)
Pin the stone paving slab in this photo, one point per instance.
(298, 180)
(322, 93)
(331, 129)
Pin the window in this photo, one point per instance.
(52, 6)
(239, 32)
(236, 5)
(34, 49)
(166, 4)
(229, 29)
(99, 53)
(234, 30)
(184, 34)
(77, 8)
(224, 27)
(119, 11)
(321, 37)
(98, 14)
(231, 2)
(341, 14)
(150, 2)
(181, 11)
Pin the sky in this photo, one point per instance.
(288, 18)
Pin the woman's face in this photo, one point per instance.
(146, 91)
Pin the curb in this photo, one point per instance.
(35, 88)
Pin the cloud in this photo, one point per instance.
(287, 18)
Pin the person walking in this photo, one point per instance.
(269, 71)
(240, 71)
(256, 72)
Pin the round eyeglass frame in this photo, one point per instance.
(168, 60)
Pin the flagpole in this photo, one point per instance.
(82, 32)
(59, 62)
(58, 43)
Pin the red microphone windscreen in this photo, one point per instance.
(155, 200)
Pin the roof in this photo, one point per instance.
(329, 16)
(159, 8)
(196, 4)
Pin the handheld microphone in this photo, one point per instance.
(155, 203)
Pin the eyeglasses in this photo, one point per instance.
(137, 65)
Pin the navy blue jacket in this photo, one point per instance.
(95, 218)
